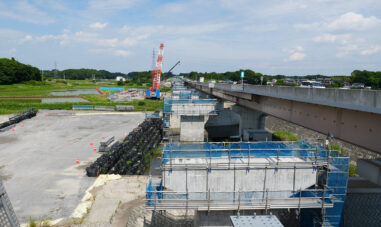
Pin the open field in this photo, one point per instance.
(19, 97)
(38, 161)
(44, 88)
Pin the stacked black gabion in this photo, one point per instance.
(132, 155)
(18, 118)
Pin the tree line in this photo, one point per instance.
(368, 78)
(12, 71)
(81, 74)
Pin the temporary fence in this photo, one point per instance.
(243, 150)
(189, 106)
(7, 215)
(83, 107)
(112, 89)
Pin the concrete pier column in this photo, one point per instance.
(252, 124)
(220, 104)
(192, 128)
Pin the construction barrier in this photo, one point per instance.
(104, 108)
(18, 118)
(124, 108)
(83, 107)
(133, 154)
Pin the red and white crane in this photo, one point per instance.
(154, 91)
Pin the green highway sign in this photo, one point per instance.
(242, 74)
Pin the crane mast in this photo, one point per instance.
(158, 69)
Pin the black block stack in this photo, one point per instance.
(132, 155)
(18, 118)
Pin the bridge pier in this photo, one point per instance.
(238, 121)
(252, 124)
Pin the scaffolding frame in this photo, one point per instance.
(327, 197)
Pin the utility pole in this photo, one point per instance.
(242, 76)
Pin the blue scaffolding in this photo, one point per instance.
(331, 192)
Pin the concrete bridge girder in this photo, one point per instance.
(353, 126)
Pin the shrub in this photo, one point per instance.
(141, 103)
(284, 136)
(32, 222)
(353, 171)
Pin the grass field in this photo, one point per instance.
(19, 97)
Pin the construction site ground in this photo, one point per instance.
(38, 164)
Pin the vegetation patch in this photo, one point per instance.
(284, 136)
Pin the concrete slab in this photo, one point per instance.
(38, 159)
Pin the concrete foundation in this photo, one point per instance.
(256, 135)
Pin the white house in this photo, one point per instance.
(120, 78)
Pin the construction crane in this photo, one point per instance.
(177, 63)
(154, 91)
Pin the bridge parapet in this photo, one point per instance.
(353, 99)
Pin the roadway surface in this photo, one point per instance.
(38, 159)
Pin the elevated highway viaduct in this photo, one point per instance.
(351, 115)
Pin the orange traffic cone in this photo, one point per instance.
(103, 137)
(22, 125)
(13, 129)
(95, 148)
(77, 162)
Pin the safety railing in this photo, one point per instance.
(265, 199)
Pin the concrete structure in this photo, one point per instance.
(370, 169)
(252, 221)
(338, 111)
(362, 204)
(252, 176)
(186, 113)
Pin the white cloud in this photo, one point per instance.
(349, 21)
(346, 49)
(372, 50)
(331, 38)
(98, 25)
(111, 51)
(295, 54)
(180, 30)
(354, 21)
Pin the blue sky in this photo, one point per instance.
(332, 37)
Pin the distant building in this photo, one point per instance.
(289, 81)
(120, 78)
(325, 80)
